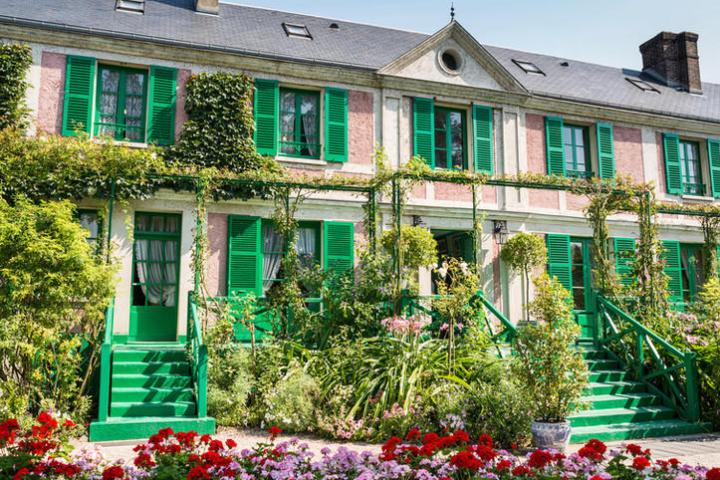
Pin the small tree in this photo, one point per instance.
(523, 253)
(551, 368)
(418, 249)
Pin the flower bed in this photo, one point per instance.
(41, 452)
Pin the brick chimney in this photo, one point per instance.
(673, 59)
(207, 6)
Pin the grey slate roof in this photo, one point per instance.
(258, 31)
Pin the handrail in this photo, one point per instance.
(509, 331)
(199, 354)
(105, 363)
(628, 341)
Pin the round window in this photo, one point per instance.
(450, 61)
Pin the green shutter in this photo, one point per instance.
(555, 150)
(162, 97)
(424, 129)
(79, 88)
(624, 249)
(673, 269)
(483, 135)
(673, 172)
(606, 151)
(266, 105)
(338, 246)
(336, 125)
(559, 264)
(245, 259)
(714, 161)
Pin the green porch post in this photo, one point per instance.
(693, 398)
(106, 348)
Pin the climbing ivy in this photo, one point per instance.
(14, 63)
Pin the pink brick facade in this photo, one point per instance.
(216, 265)
(628, 153)
(183, 75)
(452, 192)
(661, 186)
(361, 128)
(52, 86)
(535, 135)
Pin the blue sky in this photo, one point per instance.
(607, 32)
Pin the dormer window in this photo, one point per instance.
(296, 30)
(642, 85)
(528, 67)
(132, 6)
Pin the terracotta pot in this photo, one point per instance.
(551, 435)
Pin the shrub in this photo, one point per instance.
(15, 60)
(522, 253)
(53, 293)
(549, 366)
(291, 404)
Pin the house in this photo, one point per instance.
(327, 92)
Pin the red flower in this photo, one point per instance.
(461, 436)
(503, 465)
(112, 473)
(144, 460)
(165, 432)
(539, 459)
(46, 419)
(634, 449)
(596, 477)
(675, 462)
(413, 434)
(640, 463)
(274, 431)
(21, 473)
(431, 437)
(522, 471)
(7, 430)
(487, 440)
(485, 452)
(68, 423)
(205, 438)
(713, 474)
(230, 443)
(198, 472)
(215, 446)
(466, 459)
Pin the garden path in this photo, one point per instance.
(691, 449)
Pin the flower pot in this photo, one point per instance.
(547, 435)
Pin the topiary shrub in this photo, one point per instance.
(15, 60)
(523, 253)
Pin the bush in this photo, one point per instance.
(522, 253)
(53, 293)
(291, 404)
(549, 366)
(15, 60)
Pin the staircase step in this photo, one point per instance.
(148, 381)
(590, 353)
(627, 431)
(611, 416)
(608, 388)
(607, 376)
(150, 355)
(124, 394)
(152, 409)
(149, 368)
(131, 428)
(602, 364)
(630, 400)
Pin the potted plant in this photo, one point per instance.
(522, 254)
(549, 366)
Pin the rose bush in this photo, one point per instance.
(38, 452)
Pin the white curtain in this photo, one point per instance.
(150, 273)
(272, 246)
(306, 246)
(309, 115)
(170, 283)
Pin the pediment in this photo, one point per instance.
(475, 66)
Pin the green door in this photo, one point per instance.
(582, 291)
(156, 268)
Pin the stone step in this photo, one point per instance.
(636, 430)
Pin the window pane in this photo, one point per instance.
(287, 122)
(579, 298)
(135, 84)
(456, 125)
(90, 222)
(576, 253)
(110, 81)
(308, 125)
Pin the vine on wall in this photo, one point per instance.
(15, 60)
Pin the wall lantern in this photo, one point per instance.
(500, 231)
(418, 221)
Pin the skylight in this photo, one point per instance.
(642, 85)
(295, 30)
(132, 6)
(528, 67)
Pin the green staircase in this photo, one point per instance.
(151, 387)
(620, 408)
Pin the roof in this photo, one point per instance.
(258, 31)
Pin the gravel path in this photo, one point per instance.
(692, 449)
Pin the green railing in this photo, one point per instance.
(507, 331)
(198, 354)
(106, 363)
(668, 371)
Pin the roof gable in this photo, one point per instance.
(478, 68)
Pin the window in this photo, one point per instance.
(156, 264)
(691, 268)
(294, 30)
(90, 221)
(451, 61)
(299, 123)
(121, 103)
(577, 153)
(451, 244)
(132, 6)
(528, 67)
(642, 85)
(690, 168)
(273, 249)
(450, 139)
